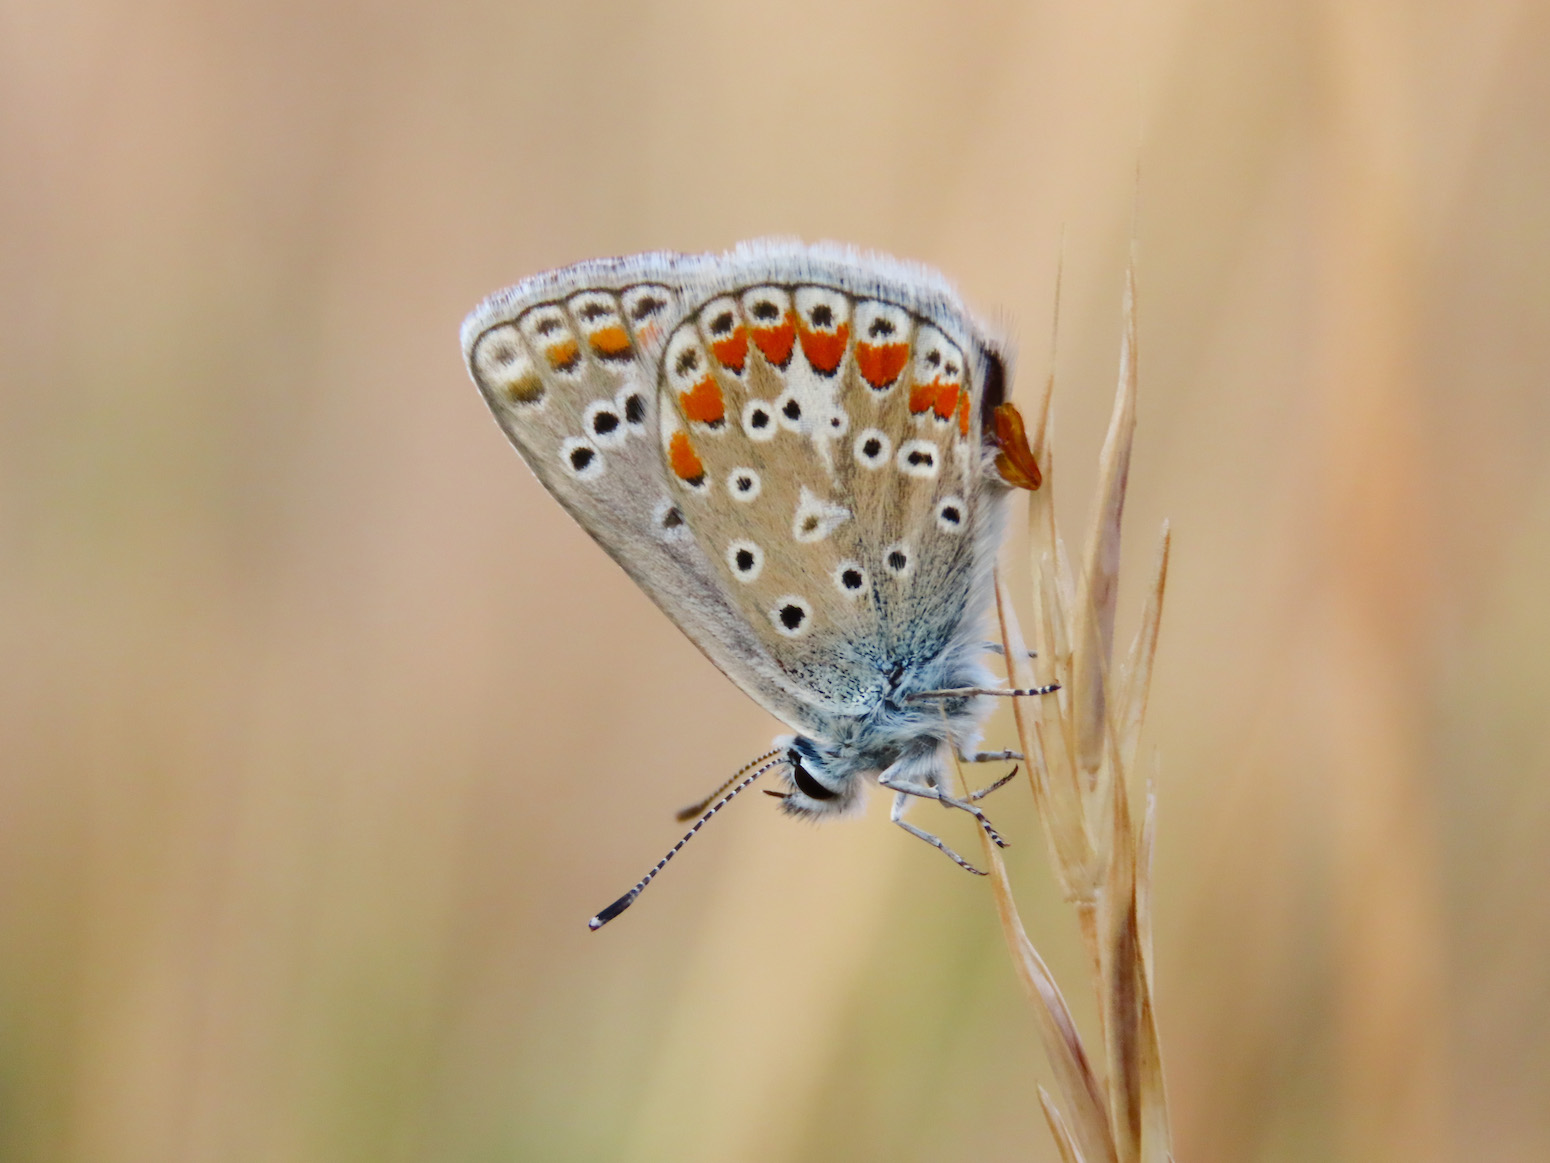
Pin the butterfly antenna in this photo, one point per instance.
(696, 808)
(628, 898)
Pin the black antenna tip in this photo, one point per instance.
(613, 910)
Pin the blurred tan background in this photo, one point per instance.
(323, 731)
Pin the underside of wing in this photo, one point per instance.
(568, 364)
(822, 419)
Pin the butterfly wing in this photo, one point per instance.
(822, 418)
(568, 363)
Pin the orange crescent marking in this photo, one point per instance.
(703, 402)
(963, 413)
(732, 351)
(775, 343)
(680, 454)
(824, 351)
(881, 364)
(610, 341)
(922, 396)
(563, 356)
(946, 399)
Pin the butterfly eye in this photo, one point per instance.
(791, 616)
(746, 560)
(744, 484)
(949, 515)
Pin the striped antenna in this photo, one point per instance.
(696, 808)
(628, 898)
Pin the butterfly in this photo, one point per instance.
(803, 455)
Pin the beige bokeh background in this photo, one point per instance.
(323, 731)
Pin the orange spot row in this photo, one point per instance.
(881, 364)
(610, 342)
(703, 403)
(946, 399)
(686, 464)
(732, 352)
(775, 343)
(825, 350)
(563, 356)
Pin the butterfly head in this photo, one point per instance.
(815, 784)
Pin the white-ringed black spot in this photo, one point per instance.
(791, 616)
(721, 324)
(688, 360)
(765, 311)
(872, 448)
(759, 421)
(949, 515)
(582, 459)
(918, 458)
(788, 411)
(746, 560)
(547, 325)
(634, 409)
(897, 558)
(880, 329)
(603, 424)
(850, 579)
(822, 315)
(744, 484)
(592, 312)
(668, 520)
(934, 358)
(950, 369)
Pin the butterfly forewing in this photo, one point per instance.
(568, 363)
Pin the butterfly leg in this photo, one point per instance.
(901, 803)
(976, 796)
(990, 756)
(928, 792)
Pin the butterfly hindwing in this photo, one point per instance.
(825, 448)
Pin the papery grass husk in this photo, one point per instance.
(1081, 746)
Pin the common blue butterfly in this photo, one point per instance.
(803, 455)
